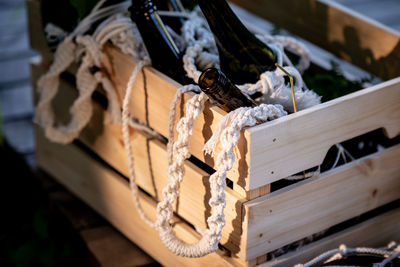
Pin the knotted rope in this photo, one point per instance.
(390, 253)
(200, 53)
(87, 50)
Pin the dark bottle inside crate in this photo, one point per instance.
(222, 91)
(175, 23)
(164, 53)
(243, 57)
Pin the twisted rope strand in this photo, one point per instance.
(200, 53)
(344, 251)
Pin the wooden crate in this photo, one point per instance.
(257, 222)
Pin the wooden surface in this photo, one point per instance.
(313, 205)
(318, 56)
(263, 157)
(151, 105)
(110, 248)
(109, 194)
(306, 135)
(37, 39)
(347, 34)
(150, 161)
(376, 232)
(106, 246)
(300, 141)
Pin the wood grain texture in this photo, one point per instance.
(306, 135)
(110, 248)
(150, 162)
(37, 38)
(151, 104)
(308, 207)
(105, 245)
(376, 232)
(346, 33)
(300, 141)
(109, 194)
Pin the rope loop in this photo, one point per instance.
(200, 53)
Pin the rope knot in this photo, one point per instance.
(343, 249)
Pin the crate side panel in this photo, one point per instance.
(349, 35)
(151, 104)
(37, 37)
(109, 194)
(150, 163)
(311, 206)
(300, 141)
(376, 232)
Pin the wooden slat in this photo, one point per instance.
(151, 104)
(308, 207)
(300, 141)
(109, 194)
(277, 149)
(347, 34)
(37, 38)
(105, 245)
(255, 193)
(376, 232)
(318, 56)
(258, 153)
(150, 161)
(110, 248)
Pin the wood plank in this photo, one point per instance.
(318, 56)
(376, 232)
(150, 161)
(304, 135)
(105, 245)
(151, 103)
(266, 165)
(300, 141)
(313, 205)
(109, 194)
(255, 193)
(346, 33)
(37, 37)
(110, 248)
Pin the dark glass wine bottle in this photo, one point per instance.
(222, 91)
(175, 23)
(243, 57)
(165, 55)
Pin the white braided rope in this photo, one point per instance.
(200, 53)
(86, 49)
(344, 251)
(128, 148)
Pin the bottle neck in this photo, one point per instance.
(165, 55)
(222, 91)
(145, 14)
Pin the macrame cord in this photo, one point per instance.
(200, 53)
(390, 253)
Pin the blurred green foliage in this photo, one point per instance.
(331, 84)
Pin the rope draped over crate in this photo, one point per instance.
(390, 253)
(200, 53)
